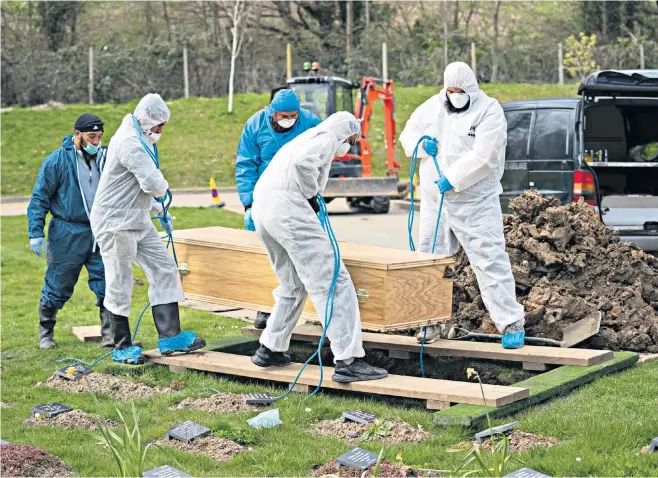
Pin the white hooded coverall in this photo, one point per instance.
(471, 154)
(121, 220)
(299, 250)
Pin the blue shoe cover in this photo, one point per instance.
(131, 355)
(514, 341)
(177, 343)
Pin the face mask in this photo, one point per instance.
(287, 123)
(154, 137)
(458, 100)
(91, 150)
(343, 149)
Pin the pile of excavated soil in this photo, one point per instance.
(566, 265)
(521, 441)
(218, 403)
(26, 460)
(386, 468)
(119, 388)
(398, 432)
(73, 419)
(215, 448)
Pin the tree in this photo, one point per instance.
(579, 56)
(55, 17)
(238, 12)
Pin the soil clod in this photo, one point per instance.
(26, 460)
(217, 403)
(74, 419)
(119, 388)
(389, 432)
(216, 448)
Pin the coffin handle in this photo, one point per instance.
(362, 296)
(184, 269)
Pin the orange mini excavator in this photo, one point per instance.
(351, 176)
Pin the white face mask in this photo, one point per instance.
(458, 100)
(154, 137)
(287, 123)
(343, 149)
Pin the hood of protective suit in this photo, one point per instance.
(460, 75)
(284, 100)
(151, 111)
(341, 124)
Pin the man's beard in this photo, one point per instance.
(451, 108)
(85, 154)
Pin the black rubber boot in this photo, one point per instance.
(47, 320)
(107, 340)
(120, 328)
(261, 320)
(357, 371)
(167, 323)
(264, 357)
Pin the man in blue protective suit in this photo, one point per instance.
(262, 137)
(66, 187)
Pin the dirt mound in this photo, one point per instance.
(566, 265)
(521, 441)
(218, 403)
(215, 448)
(386, 432)
(386, 468)
(26, 460)
(119, 388)
(73, 419)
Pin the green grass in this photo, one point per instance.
(602, 424)
(201, 139)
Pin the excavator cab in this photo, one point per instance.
(350, 176)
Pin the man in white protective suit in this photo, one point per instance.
(471, 135)
(285, 214)
(121, 223)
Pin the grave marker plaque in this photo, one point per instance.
(526, 473)
(51, 410)
(358, 416)
(165, 471)
(80, 370)
(2, 442)
(258, 398)
(654, 445)
(479, 437)
(188, 432)
(359, 458)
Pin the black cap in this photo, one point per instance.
(87, 123)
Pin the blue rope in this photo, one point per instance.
(410, 221)
(329, 305)
(166, 201)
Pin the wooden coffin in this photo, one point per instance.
(397, 289)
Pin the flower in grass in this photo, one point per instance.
(470, 372)
(398, 458)
(37, 416)
(71, 371)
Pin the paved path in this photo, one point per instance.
(386, 230)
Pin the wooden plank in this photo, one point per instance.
(535, 367)
(455, 348)
(88, 333)
(353, 254)
(395, 385)
(437, 405)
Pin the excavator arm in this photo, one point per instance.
(371, 90)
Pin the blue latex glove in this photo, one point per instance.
(443, 184)
(38, 246)
(167, 225)
(431, 147)
(248, 221)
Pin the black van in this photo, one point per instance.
(602, 146)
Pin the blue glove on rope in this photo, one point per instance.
(167, 225)
(431, 147)
(443, 184)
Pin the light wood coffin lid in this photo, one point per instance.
(352, 254)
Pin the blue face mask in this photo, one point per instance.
(91, 149)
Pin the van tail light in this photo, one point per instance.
(583, 186)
